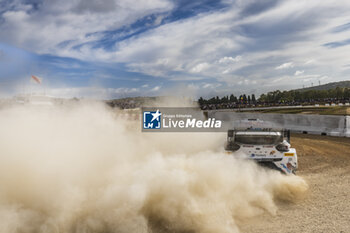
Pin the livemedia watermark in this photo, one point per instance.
(165, 119)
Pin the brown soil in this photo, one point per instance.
(324, 162)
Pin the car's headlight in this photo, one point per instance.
(232, 146)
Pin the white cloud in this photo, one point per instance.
(159, 19)
(156, 88)
(285, 66)
(189, 46)
(311, 61)
(230, 59)
(200, 47)
(100, 92)
(75, 22)
(211, 85)
(189, 50)
(299, 72)
(200, 67)
(92, 92)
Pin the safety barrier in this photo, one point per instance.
(299, 123)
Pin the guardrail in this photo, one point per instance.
(299, 123)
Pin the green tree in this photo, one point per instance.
(232, 98)
(253, 98)
(201, 101)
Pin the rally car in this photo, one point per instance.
(267, 146)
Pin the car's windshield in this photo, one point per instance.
(259, 139)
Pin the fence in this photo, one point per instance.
(299, 123)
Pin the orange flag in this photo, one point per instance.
(36, 79)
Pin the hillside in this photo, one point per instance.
(327, 86)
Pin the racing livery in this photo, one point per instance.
(267, 146)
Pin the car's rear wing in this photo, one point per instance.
(285, 132)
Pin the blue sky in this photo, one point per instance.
(120, 48)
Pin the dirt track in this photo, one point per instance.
(325, 163)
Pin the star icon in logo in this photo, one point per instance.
(156, 115)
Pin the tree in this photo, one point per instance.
(244, 98)
(232, 98)
(224, 99)
(347, 93)
(339, 92)
(275, 97)
(253, 98)
(263, 98)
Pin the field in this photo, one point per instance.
(325, 164)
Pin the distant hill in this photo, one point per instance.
(327, 86)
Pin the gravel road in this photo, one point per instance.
(324, 162)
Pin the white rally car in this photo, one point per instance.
(269, 147)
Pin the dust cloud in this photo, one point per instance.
(84, 169)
